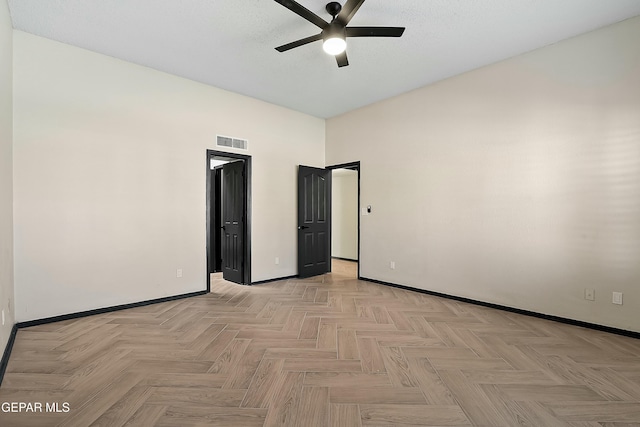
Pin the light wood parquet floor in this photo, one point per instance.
(325, 351)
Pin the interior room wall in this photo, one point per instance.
(6, 175)
(109, 178)
(516, 184)
(344, 214)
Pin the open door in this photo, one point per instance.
(314, 221)
(233, 221)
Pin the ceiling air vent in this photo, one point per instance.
(227, 141)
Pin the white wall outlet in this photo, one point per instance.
(392, 265)
(617, 298)
(179, 272)
(590, 294)
(277, 260)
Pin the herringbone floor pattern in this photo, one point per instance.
(325, 351)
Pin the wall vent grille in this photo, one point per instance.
(227, 141)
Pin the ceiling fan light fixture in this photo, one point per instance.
(334, 45)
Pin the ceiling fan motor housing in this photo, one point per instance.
(334, 30)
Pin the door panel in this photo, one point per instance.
(233, 221)
(314, 221)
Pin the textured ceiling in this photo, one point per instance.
(230, 43)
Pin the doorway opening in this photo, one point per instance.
(345, 216)
(315, 212)
(228, 216)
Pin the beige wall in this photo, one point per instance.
(109, 182)
(344, 214)
(516, 184)
(6, 175)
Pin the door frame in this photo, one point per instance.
(246, 274)
(356, 167)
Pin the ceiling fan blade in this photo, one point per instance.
(298, 43)
(374, 31)
(342, 60)
(305, 13)
(348, 10)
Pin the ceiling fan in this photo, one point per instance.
(334, 33)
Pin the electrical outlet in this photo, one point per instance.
(617, 298)
(590, 294)
(179, 272)
(277, 260)
(392, 265)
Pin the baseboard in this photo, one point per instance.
(7, 352)
(573, 322)
(105, 310)
(344, 259)
(277, 279)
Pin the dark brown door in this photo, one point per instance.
(233, 221)
(314, 221)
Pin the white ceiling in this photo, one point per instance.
(230, 43)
